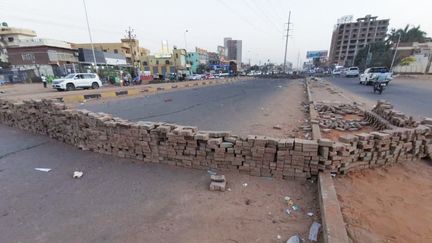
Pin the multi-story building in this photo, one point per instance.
(44, 56)
(9, 35)
(349, 37)
(233, 50)
(165, 64)
(193, 60)
(130, 49)
(203, 55)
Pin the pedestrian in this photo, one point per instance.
(44, 81)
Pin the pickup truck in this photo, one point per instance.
(370, 75)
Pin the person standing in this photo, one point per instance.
(44, 80)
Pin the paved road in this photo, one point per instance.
(410, 96)
(219, 107)
(120, 201)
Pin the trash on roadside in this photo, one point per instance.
(288, 211)
(77, 174)
(333, 174)
(279, 86)
(245, 184)
(218, 183)
(167, 100)
(310, 214)
(295, 207)
(294, 239)
(279, 237)
(277, 127)
(313, 231)
(43, 169)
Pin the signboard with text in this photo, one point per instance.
(316, 54)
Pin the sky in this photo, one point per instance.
(260, 24)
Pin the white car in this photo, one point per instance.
(337, 72)
(352, 72)
(371, 74)
(77, 80)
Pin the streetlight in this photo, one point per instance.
(186, 31)
(91, 39)
(394, 56)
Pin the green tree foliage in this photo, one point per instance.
(380, 54)
(407, 60)
(202, 68)
(407, 34)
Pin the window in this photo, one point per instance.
(115, 51)
(28, 57)
(10, 39)
(167, 62)
(157, 62)
(145, 63)
(176, 55)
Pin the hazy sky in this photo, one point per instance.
(259, 23)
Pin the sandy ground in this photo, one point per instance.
(388, 204)
(285, 110)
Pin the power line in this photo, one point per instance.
(262, 14)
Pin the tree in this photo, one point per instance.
(407, 34)
(380, 55)
(202, 68)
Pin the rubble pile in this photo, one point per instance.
(396, 118)
(186, 146)
(332, 116)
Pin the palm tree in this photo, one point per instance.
(407, 34)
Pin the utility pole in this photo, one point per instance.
(298, 61)
(394, 56)
(89, 31)
(185, 39)
(286, 42)
(131, 36)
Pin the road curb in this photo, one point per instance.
(334, 229)
(138, 91)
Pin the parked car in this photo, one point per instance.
(352, 72)
(77, 80)
(194, 77)
(337, 72)
(370, 74)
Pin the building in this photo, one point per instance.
(85, 56)
(421, 54)
(130, 49)
(9, 35)
(349, 37)
(203, 55)
(221, 53)
(213, 58)
(193, 61)
(233, 50)
(166, 63)
(44, 56)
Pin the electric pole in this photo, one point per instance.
(286, 42)
(131, 37)
(90, 35)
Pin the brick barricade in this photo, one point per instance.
(186, 146)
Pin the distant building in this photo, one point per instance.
(193, 61)
(421, 53)
(349, 37)
(233, 50)
(166, 63)
(213, 58)
(85, 56)
(124, 47)
(45, 56)
(203, 55)
(9, 35)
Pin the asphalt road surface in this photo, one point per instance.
(219, 107)
(411, 96)
(117, 200)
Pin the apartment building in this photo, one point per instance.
(349, 37)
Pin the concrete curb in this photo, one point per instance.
(139, 90)
(334, 230)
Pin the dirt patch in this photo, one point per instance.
(335, 134)
(281, 115)
(388, 204)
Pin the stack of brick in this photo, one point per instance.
(186, 146)
(399, 119)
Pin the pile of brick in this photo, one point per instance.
(385, 110)
(217, 183)
(332, 116)
(186, 146)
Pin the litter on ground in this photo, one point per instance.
(43, 169)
